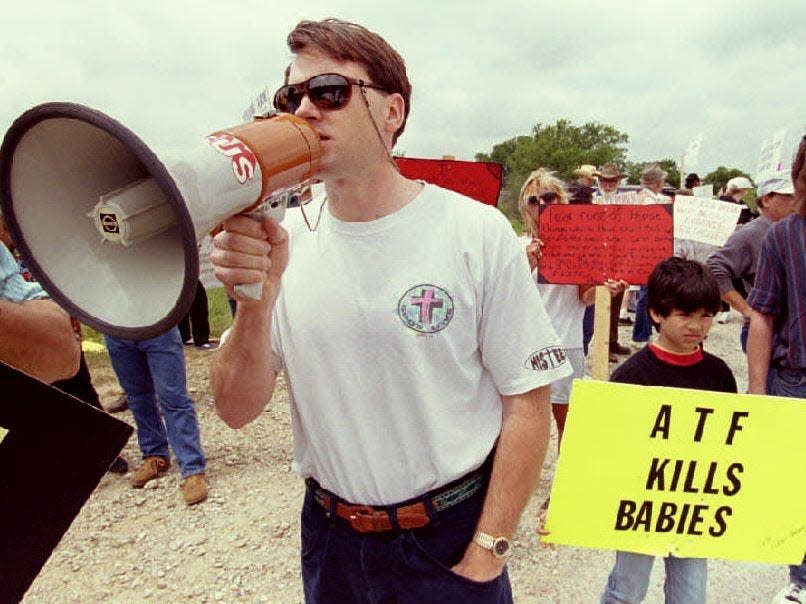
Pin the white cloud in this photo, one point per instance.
(661, 72)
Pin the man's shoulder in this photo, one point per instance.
(791, 224)
(473, 216)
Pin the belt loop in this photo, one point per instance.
(392, 511)
(331, 507)
(430, 509)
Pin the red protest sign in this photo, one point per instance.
(587, 244)
(478, 180)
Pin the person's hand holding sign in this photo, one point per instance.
(534, 251)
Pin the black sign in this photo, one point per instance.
(55, 452)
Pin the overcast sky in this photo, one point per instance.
(662, 72)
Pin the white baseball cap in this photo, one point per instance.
(739, 182)
(780, 183)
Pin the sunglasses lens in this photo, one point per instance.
(532, 200)
(288, 99)
(549, 196)
(329, 91)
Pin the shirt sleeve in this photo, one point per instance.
(518, 344)
(12, 285)
(730, 262)
(769, 286)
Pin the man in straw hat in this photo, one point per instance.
(610, 178)
(582, 190)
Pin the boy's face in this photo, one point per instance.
(682, 332)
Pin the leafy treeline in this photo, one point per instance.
(562, 147)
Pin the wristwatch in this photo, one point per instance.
(498, 546)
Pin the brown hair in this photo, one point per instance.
(799, 176)
(345, 41)
(539, 179)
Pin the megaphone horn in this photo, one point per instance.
(111, 231)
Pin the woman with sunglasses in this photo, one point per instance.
(565, 304)
(410, 336)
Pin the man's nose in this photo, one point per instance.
(306, 109)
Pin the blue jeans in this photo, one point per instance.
(587, 327)
(342, 565)
(642, 329)
(152, 374)
(628, 581)
(791, 383)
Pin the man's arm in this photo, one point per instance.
(243, 375)
(516, 469)
(759, 351)
(733, 261)
(36, 337)
(737, 301)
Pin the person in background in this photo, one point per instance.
(776, 343)
(583, 189)
(419, 466)
(738, 258)
(610, 178)
(152, 375)
(735, 190)
(653, 180)
(36, 335)
(196, 322)
(692, 181)
(565, 304)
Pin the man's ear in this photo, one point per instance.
(654, 316)
(395, 112)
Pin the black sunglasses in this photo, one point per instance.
(327, 91)
(547, 197)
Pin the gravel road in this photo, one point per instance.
(242, 544)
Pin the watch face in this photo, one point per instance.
(501, 547)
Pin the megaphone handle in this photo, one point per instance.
(273, 207)
(253, 291)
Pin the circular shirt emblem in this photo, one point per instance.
(426, 308)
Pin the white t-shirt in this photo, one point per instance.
(397, 336)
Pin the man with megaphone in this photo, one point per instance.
(416, 350)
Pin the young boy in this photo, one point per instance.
(683, 298)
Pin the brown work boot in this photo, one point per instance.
(152, 467)
(119, 405)
(194, 489)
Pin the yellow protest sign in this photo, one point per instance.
(685, 472)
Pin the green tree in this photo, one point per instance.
(720, 177)
(561, 147)
(633, 171)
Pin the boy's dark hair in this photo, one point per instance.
(684, 285)
(345, 41)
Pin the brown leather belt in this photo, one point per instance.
(410, 515)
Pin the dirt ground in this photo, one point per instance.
(242, 544)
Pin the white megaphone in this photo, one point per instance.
(111, 232)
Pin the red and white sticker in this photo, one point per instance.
(243, 160)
